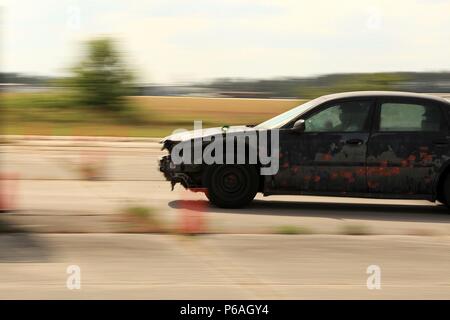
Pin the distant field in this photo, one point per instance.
(159, 115)
(212, 111)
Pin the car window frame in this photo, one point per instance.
(407, 100)
(319, 108)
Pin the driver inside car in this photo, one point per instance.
(352, 117)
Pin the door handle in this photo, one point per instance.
(354, 142)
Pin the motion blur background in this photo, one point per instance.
(88, 88)
(94, 67)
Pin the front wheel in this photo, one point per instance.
(231, 186)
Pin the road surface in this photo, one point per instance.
(51, 191)
(123, 266)
(61, 219)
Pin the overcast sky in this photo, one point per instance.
(169, 41)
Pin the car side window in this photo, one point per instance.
(409, 117)
(350, 116)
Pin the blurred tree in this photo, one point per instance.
(101, 78)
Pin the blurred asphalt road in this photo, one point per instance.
(65, 220)
(123, 266)
(51, 191)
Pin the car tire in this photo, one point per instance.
(231, 186)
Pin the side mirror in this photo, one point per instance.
(299, 126)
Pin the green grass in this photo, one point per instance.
(291, 230)
(140, 212)
(48, 128)
(140, 218)
(59, 113)
(355, 230)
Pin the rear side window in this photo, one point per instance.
(410, 117)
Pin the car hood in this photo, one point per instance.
(202, 133)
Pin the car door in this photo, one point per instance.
(329, 156)
(406, 147)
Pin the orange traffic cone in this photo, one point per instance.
(93, 164)
(192, 214)
(8, 191)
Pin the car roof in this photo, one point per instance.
(399, 94)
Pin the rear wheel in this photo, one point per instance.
(231, 186)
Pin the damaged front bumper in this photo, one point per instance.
(179, 173)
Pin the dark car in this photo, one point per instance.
(357, 144)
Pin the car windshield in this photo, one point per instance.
(282, 119)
